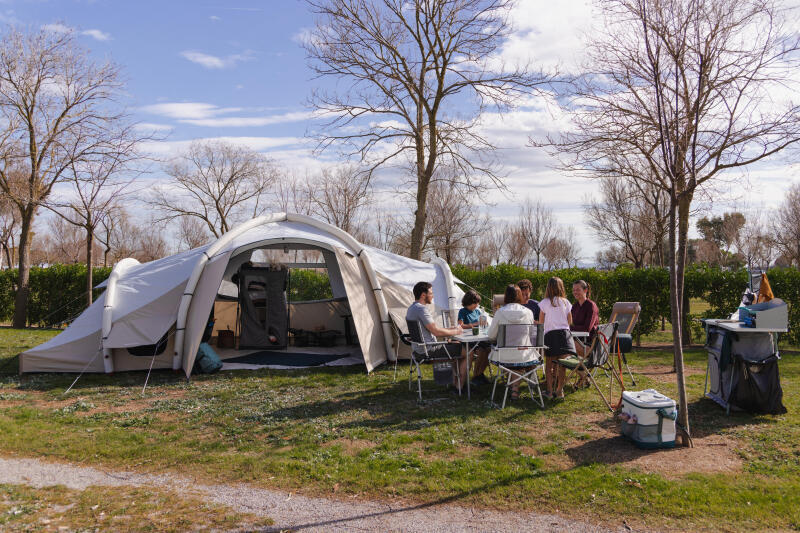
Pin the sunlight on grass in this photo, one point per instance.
(339, 431)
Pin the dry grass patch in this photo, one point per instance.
(711, 455)
(24, 508)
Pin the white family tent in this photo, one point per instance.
(161, 308)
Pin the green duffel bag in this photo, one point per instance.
(207, 361)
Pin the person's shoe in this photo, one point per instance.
(560, 395)
(548, 395)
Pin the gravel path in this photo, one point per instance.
(299, 513)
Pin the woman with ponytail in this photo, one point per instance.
(554, 313)
(585, 317)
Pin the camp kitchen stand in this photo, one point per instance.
(742, 369)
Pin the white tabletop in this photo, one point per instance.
(740, 327)
(467, 336)
(582, 334)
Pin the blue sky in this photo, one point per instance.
(207, 69)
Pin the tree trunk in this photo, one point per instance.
(89, 246)
(675, 286)
(420, 216)
(684, 205)
(23, 281)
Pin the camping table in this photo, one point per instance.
(740, 328)
(468, 338)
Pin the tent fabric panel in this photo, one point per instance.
(125, 362)
(366, 315)
(407, 272)
(65, 357)
(86, 324)
(205, 294)
(71, 356)
(335, 277)
(147, 324)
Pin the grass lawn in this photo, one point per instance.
(338, 432)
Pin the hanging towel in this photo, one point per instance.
(765, 291)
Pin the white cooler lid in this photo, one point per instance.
(648, 399)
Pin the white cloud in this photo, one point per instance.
(152, 127)
(209, 115)
(57, 28)
(215, 62)
(214, 18)
(549, 35)
(188, 110)
(93, 33)
(259, 144)
(239, 122)
(97, 34)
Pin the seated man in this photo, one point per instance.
(419, 311)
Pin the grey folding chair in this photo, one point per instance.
(517, 359)
(421, 352)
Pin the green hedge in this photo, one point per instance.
(722, 289)
(57, 293)
(305, 285)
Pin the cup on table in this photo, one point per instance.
(475, 330)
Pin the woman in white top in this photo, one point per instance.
(555, 314)
(518, 319)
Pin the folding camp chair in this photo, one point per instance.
(626, 314)
(599, 355)
(425, 352)
(517, 360)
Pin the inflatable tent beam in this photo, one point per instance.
(219, 244)
(108, 308)
(448, 280)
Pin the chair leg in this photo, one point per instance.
(395, 368)
(410, 371)
(494, 386)
(538, 388)
(419, 382)
(625, 360)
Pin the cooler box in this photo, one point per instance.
(648, 418)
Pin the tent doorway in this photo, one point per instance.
(286, 296)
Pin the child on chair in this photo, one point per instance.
(469, 317)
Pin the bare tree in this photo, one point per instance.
(490, 246)
(516, 245)
(786, 226)
(58, 107)
(755, 244)
(290, 194)
(632, 216)
(452, 223)
(682, 88)
(217, 182)
(61, 243)
(339, 196)
(97, 185)
(562, 250)
(537, 223)
(406, 68)
(9, 227)
(108, 224)
(192, 233)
